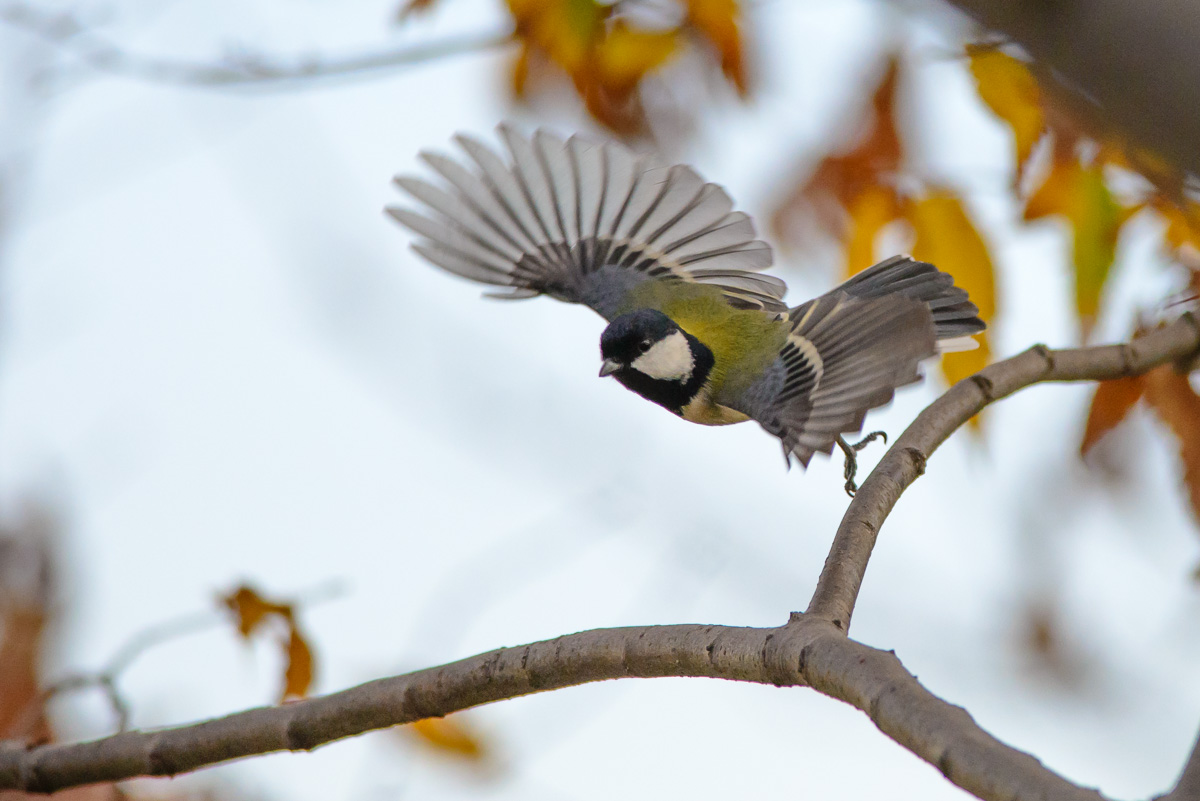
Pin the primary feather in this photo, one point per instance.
(584, 222)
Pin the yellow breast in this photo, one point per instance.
(702, 410)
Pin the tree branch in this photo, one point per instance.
(810, 650)
(1188, 786)
(837, 588)
(1135, 60)
(244, 70)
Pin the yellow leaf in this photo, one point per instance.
(873, 209)
(251, 610)
(450, 736)
(1081, 195)
(717, 21)
(946, 237)
(1009, 89)
(625, 55)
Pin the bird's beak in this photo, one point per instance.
(609, 367)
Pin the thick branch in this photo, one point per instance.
(837, 588)
(807, 651)
(1188, 786)
(1135, 60)
(245, 70)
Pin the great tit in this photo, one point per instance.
(662, 256)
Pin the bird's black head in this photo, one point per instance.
(647, 352)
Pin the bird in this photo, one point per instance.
(693, 324)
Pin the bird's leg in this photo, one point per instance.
(851, 452)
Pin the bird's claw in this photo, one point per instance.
(851, 452)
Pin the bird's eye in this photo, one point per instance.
(644, 346)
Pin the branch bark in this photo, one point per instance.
(811, 650)
(1135, 60)
(1188, 786)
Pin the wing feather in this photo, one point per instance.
(585, 221)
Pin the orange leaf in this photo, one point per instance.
(625, 55)
(717, 21)
(450, 736)
(1009, 89)
(824, 201)
(1176, 404)
(252, 609)
(298, 675)
(1110, 404)
(946, 237)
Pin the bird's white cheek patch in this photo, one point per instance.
(669, 359)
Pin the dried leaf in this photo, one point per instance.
(20, 651)
(1081, 195)
(252, 611)
(298, 675)
(1171, 397)
(1009, 89)
(1110, 404)
(451, 735)
(717, 22)
(946, 237)
(625, 55)
(412, 7)
(824, 201)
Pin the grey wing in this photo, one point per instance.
(844, 355)
(584, 222)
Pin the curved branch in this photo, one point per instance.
(810, 650)
(246, 70)
(806, 651)
(841, 578)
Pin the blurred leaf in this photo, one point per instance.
(874, 208)
(1009, 89)
(825, 200)
(251, 611)
(299, 672)
(1110, 404)
(450, 735)
(1171, 396)
(1080, 194)
(717, 21)
(20, 650)
(946, 237)
(411, 7)
(625, 55)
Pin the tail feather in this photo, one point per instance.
(954, 315)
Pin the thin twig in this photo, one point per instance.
(256, 70)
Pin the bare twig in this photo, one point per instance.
(837, 588)
(256, 70)
(810, 650)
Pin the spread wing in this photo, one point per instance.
(848, 351)
(584, 222)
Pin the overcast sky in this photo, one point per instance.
(222, 362)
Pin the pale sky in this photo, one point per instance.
(224, 363)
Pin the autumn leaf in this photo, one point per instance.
(626, 54)
(1172, 398)
(717, 22)
(1110, 404)
(946, 237)
(1080, 195)
(833, 194)
(1009, 89)
(870, 212)
(251, 611)
(452, 736)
